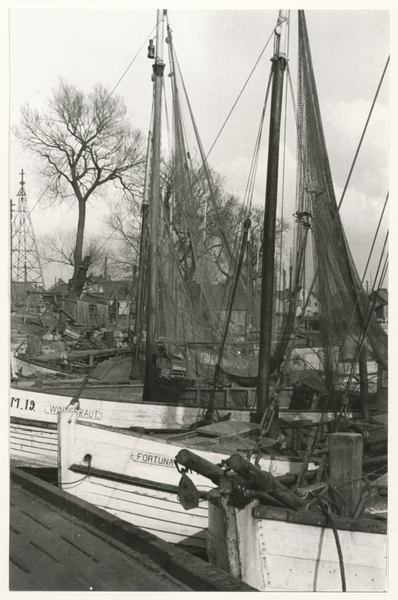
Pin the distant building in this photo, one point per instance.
(26, 296)
(380, 300)
(282, 303)
(56, 292)
(311, 305)
(119, 294)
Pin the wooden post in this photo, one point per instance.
(66, 437)
(222, 537)
(345, 471)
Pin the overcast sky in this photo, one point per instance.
(216, 50)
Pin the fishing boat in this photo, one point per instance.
(189, 331)
(328, 536)
(127, 471)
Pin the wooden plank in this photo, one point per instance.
(152, 506)
(318, 519)
(312, 543)
(216, 545)
(115, 479)
(227, 428)
(18, 450)
(148, 497)
(286, 574)
(164, 523)
(39, 560)
(53, 356)
(22, 581)
(35, 425)
(250, 546)
(30, 434)
(32, 441)
(345, 470)
(32, 460)
(178, 566)
(30, 430)
(98, 565)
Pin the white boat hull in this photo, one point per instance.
(276, 555)
(24, 368)
(33, 444)
(31, 411)
(134, 477)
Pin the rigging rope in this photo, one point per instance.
(240, 93)
(371, 308)
(105, 101)
(329, 518)
(363, 133)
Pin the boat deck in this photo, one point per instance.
(61, 543)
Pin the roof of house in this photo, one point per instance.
(381, 295)
(21, 291)
(120, 289)
(58, 288)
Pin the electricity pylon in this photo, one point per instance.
(25, 260)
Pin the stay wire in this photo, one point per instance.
(240, 93)
(367, 263)
(363, 133)
(335, 220)
(105, 101)
(365, 332)
(374, 238)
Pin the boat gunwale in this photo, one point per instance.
(216, 449)
(305, 517)
(128, 479)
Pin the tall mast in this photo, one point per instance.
(143, 241)
(151, 376)
(268, 267)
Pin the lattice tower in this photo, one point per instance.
(25, 259)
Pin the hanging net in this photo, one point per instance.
(327, 286)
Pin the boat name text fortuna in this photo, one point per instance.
(153, 459)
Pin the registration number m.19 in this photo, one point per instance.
(24, 404)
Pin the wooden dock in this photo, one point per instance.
(61, 543)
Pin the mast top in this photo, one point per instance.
(280, 39)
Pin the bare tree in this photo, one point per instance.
(124, 224)
(82, 143)
(60, 248)
(256, 250)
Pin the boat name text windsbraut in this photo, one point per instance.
(81, 412)
(153, 459)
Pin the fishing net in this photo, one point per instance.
(208, 305)
(327, 284)
(200, 244)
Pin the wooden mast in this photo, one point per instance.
(151, 373)
(143, 242)
(268, 267)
